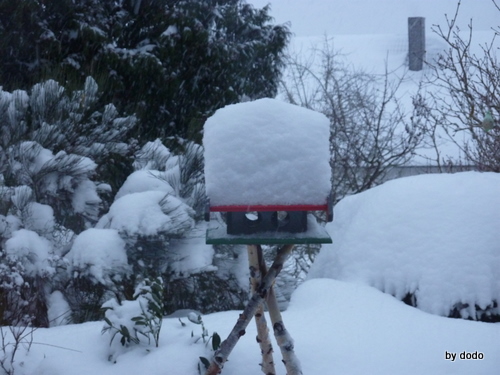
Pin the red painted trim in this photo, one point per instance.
(274, 207)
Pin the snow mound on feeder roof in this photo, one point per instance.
(434, 236)
(267, 152)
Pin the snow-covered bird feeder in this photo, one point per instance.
(266, 168)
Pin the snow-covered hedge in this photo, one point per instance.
(433, 240)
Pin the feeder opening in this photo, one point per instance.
(252, 219)
(282, 218)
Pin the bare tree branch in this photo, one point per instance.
(371, 132)
(466, 104)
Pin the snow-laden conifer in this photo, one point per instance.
(51, 144)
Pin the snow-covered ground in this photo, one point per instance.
(434, 234)
(338, 327)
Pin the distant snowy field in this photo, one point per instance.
(361, 17)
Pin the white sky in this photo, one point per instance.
(317, 17)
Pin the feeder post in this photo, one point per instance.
(283, 338)
(221, 355)
(266, 347)
(416, 42)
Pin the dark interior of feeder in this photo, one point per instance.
(266, 221)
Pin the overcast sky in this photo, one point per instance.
(334, 17)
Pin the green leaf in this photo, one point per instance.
(205, 362)
(157, 310)
(112, 338)
(157, 299)
(215, 341)
(156, 289)
(124, 331)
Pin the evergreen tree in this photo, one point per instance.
(51, 39)
(171, 62)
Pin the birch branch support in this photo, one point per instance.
(266, 347)
(283, 338)
(221, 355)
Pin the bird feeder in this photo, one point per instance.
(267, 169)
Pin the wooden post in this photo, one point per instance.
(221, 355)
(416, 43)
(283, 338)
(266, 347)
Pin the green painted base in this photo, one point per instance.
(314, 234)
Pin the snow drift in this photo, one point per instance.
(434, 238)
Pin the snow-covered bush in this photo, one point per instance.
(51, 142)
(430, 240)
(61, 181)
(140, 318)
(54, 141)
(27, 265)
(148, 213)
(61, 120)
(147, 220)
(158, 212)
(98, 265)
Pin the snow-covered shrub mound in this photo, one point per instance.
(433, 240)
(32, 251)
(144, 180)
(148, 213)
(99, 254)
